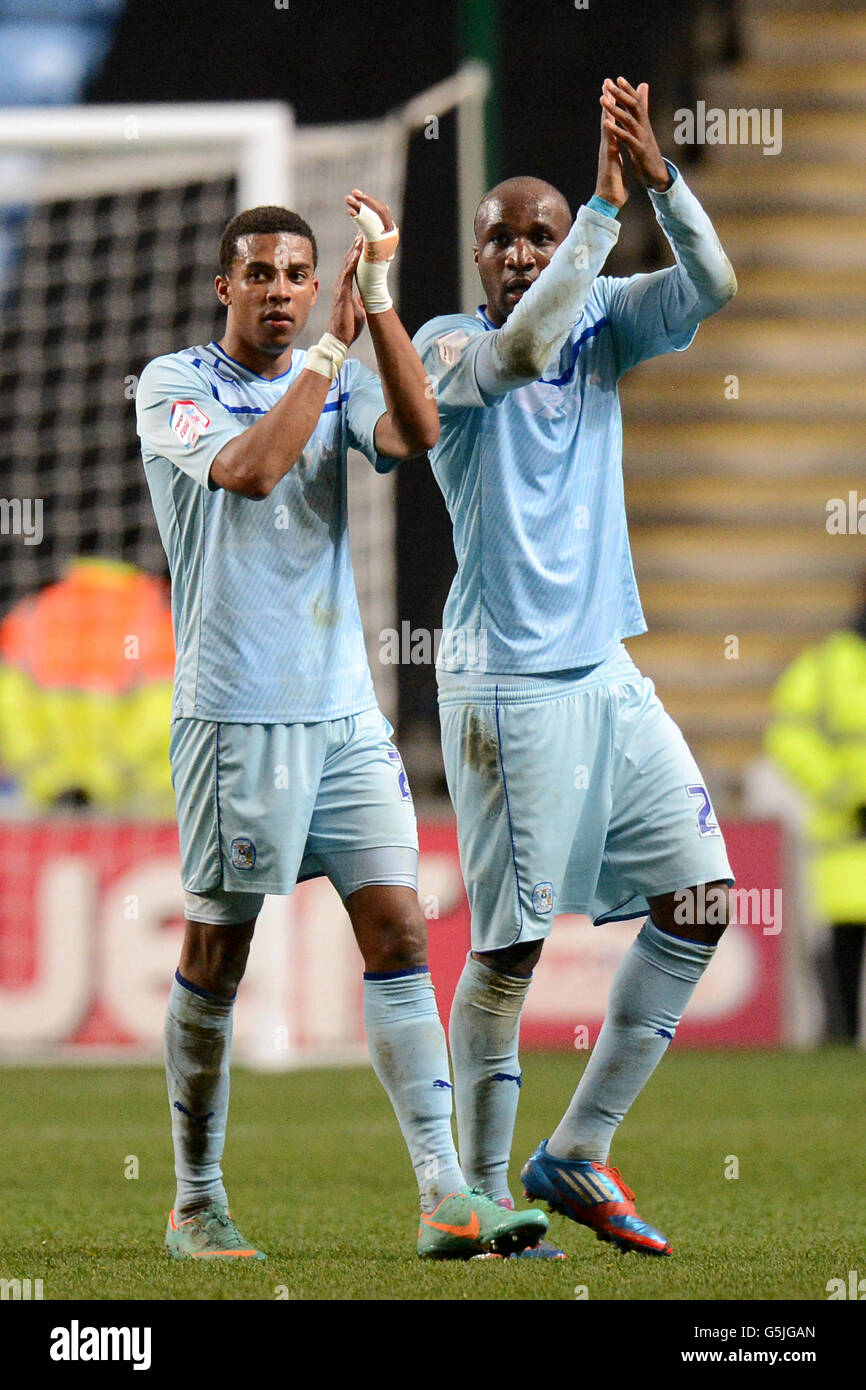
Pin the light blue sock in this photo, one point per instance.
(406, 1042)
(198, 1036)
(648, 997)
(483, 1033)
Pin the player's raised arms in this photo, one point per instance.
(703, 279)
(411, 423)
(270, 290)
(522, 229)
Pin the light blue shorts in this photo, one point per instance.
(573, 794)
(262, 807)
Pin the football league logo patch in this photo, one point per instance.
(542, 898)
(451, 346)
(243, 852)
(189, 422)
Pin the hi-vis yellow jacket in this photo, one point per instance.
(86, 670)
(818, 738)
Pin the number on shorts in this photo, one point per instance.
(707, 823)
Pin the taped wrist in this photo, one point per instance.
(372, 271)
(326, 356)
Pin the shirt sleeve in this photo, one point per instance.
(660, 312)
(635, 309)
(364, 408)
(448, 347)
(178, 418)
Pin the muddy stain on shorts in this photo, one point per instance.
(481, 753)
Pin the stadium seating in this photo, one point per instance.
(728, 497)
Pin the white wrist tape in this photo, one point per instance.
(372, 272)
(326, 356)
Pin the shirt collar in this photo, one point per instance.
(248, 371)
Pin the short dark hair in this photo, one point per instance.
(261, 220)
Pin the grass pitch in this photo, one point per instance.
(318, 1176)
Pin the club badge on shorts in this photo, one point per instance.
(401, 777)
(542, 898)
(243, 853)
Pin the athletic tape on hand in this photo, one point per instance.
(379, 245)
(372, 271)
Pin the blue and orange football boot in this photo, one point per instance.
(593, 1195)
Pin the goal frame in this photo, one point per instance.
(252, 140)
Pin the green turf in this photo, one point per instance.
(319, 1178)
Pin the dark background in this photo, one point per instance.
(348, 62)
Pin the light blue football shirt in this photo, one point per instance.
(266, 620)
(532, 477)
(533, 483)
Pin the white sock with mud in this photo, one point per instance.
(484, 1033)
(407, 1048)
(198, 1036)
(654, 983)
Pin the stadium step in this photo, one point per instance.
(786, 36)
(781, 449)
(683, 553)
(788, 346)
(829, 292)
(794, 187)
(754, 501)
(830, 136)
(789, 86)
(800, 241)
(731, 604)
(716, 661)
(649, 395)
(757, 8)
(739, 712)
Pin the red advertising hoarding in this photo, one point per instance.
(91, 919)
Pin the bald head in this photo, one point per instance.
(523, 194)
(518, 226)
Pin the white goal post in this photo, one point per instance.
(252, 140)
